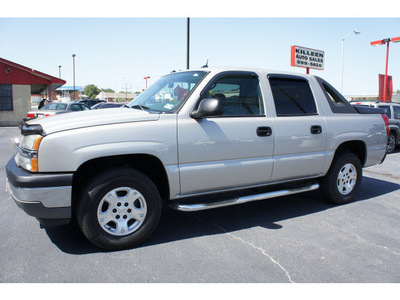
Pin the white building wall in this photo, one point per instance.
(21, 95)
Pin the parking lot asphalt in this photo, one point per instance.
(299, 239)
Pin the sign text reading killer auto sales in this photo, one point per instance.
(307, 58)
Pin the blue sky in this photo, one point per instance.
(118, 52)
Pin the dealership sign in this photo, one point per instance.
(307, 58)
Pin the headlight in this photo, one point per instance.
(28, 141)
(27, 152)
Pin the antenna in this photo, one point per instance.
(206, 65)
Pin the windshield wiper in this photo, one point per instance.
(145, 108)
(138, 106)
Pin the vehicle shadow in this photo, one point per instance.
(175, 225)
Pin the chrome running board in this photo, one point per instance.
(244, 199)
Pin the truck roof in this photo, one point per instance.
(222, 68)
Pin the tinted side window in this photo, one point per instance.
(240, 94)
(396, 110)
(387, 109)
(76, 107)
(292, 97)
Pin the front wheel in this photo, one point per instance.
(343, 180)
(119, 209)
(391, 145)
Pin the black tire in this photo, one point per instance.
(343, 180)
(118, 209)
(391, 143)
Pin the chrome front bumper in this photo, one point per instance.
(50, 197)
(47, 197)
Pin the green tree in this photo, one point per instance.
(91, 91)
(108, 90)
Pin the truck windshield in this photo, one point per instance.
(168, 93)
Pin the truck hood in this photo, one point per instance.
(81, 119)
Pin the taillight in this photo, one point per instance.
(30, 115)
(386, 119)
(48, 115)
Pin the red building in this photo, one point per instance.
(17, 84)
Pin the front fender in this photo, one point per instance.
(65, 151)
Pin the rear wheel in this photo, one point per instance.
(119, 209)
(343, 180)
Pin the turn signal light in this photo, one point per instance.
(34, 165)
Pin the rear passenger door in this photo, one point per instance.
(300, 131)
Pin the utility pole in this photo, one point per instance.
(126, 91)
(73, 63)
(188, 43)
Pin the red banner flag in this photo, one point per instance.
(389, 88)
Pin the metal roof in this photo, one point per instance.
(13, 73)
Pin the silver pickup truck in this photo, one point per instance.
(194, 140)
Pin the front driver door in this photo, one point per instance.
(229, 151)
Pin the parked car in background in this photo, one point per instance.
(56, 108)
(392, 110)
(103, 105)
(90, 102)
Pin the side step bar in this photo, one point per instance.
(244, 199)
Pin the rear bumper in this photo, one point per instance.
(45, 196)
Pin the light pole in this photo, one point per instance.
(382, 42)
(341, 80)
(147, 77)
(73, 66)
(59, 72)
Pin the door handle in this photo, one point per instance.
(264, 131)
(316, 129)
